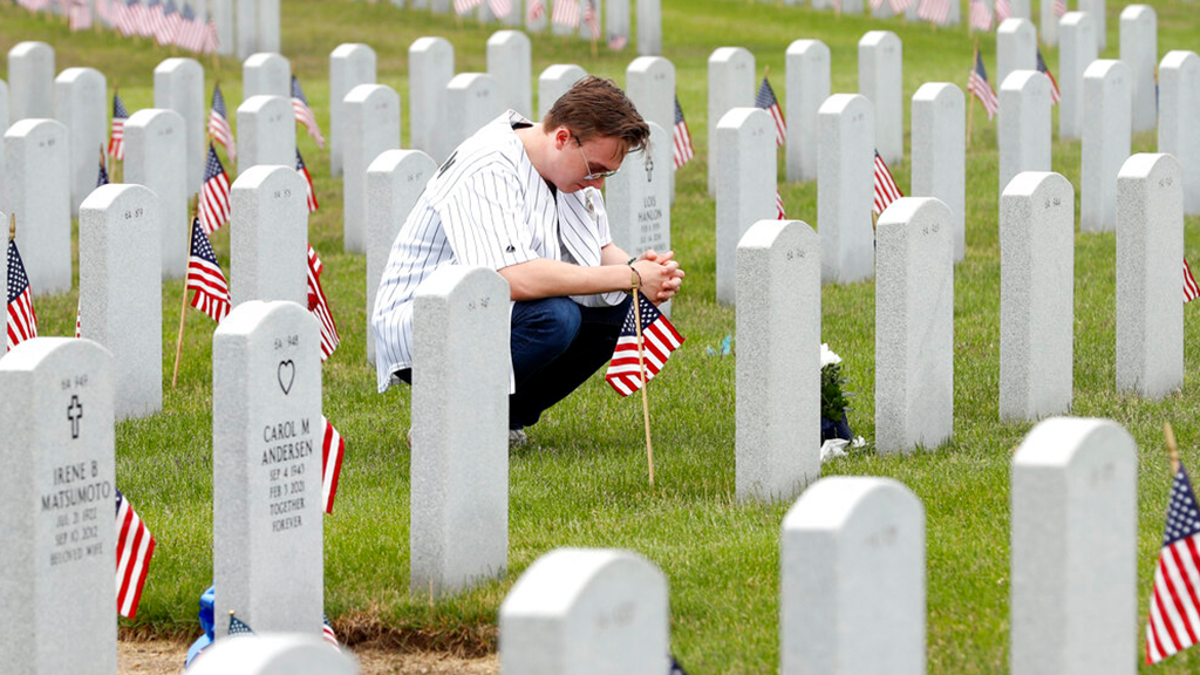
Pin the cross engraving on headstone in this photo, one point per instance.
(649, 168)
(74, 412)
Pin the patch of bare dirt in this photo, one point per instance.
(165, 657)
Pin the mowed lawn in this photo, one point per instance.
(582, 480)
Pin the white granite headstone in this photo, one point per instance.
(58, 549)
(1037, 296)
(852, 580)
(350, 65)
(1023, 129)
(430, 69)
(266, 132)
(154, 141)
(1178, 133)
(778, 448)
(274, 655)
(1075, 589)
(586, 612)
(120, 290)
(223, 17)
(268, 238)
(638, 199)
(247, 32)
(1048, 23)
(1139, 51)
(394, 182)
(617, 20)
(1106, 142)
(1150, 276)
(553, 82)
(939, 152)
(472, 100)
(38, 192)
(808, 73)
(509, 61)
(31, 81)
(372, 125)
(746, 192)
(459, 498)
(81, 104)
(267, 25)
(880, 79)
(267, 505)
(1016, 47)
(730, 85)
(914, 326)
(1076, 51)
(845, 188)
(1096, 8)
(649, 27)
(266, 74)
(179, 86)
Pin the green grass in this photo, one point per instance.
(582, 481)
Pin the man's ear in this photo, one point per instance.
(562, 136)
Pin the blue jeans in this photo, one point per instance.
(556, 346)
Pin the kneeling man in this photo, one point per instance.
(524, 199)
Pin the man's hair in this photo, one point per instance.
(596, 107)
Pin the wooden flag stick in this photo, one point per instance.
(183, 301)
(637, 322)
(12, 226)
(1172, 448)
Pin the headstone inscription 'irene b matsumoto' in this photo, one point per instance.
(57, 551)
(268, 564)
(779, 360)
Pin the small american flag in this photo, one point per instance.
(1172, 626)
(500, 8)
(934, 11)
(210, 39)
(536, 10)
(461, 7)
(304, 114)
(1190, 290)
(79, 16)
(1060, 7)
(191, 33)
(981, 16)
(327, 633)
(156, 19)
(102, 178)
(617, 42)
(977, 84)
(22, 320)
(126, 17)
(145, 16)
(780, 214)
(682, 138)
(214, 195)
(1055, 96)
(659, 339)
(116, 142)
(1003, 11)
(886, 191)
(168, 33)
(591, 18)
(566, 13)
(135, 547)
(333, 448)
(899, 6)
(767, 101)
(237, 627)
(218, 123)
(78, 321)
(303, 171)
(204, 276)
(318, 304)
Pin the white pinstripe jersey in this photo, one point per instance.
(488, 206)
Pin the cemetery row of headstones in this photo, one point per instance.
(853, 581)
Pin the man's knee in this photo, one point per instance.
(551, 323)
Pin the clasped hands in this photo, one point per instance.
(660, 275)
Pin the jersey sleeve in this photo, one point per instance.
(484, 220)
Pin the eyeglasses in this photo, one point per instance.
(586, 164)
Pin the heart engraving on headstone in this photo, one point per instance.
(287, 375)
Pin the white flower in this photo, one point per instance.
(828, 356)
